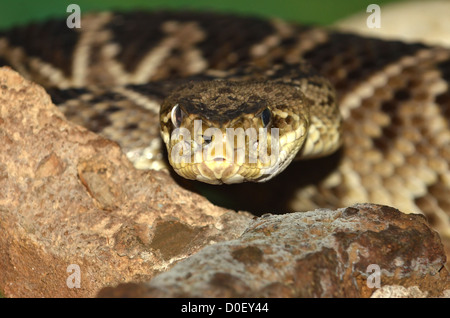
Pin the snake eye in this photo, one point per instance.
(265, 117)
(177, 116)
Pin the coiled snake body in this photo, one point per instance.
(387, 103)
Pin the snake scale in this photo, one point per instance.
(387, 142)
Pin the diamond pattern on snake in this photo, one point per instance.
(357, 119)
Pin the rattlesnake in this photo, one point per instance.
(113, 74)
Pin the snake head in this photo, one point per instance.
(230, 132)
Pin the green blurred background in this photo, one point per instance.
(319, 11)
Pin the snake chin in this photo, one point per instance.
(219, 172)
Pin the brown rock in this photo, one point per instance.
(322, 253)
(69, 196)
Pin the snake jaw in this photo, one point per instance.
(221, 161)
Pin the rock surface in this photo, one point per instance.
(322, 253)
(69, 196)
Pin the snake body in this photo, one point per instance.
(378, 112)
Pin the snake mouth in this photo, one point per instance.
(221, 162)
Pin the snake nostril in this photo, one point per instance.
(207, 139)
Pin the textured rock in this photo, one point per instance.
(71, 197)
(322, 253)
(396, 291)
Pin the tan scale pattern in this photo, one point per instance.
(394, 98)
